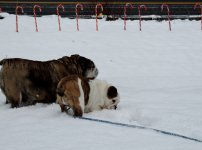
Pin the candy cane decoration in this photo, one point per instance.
(200, 6)
(96, 8)
(139, 14)
(16, 12)
(162, 6)
(34, 10)
(77, 16)
(125, 7)
(63, 9)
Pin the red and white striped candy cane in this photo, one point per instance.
(125, 8)
(200, 6)
(16, 13)
(96, 10)
(168, 10)
(34, 11)
(139, 14)
(77, 16)
(63, 9)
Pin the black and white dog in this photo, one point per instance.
(84, 95)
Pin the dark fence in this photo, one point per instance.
(112, 8)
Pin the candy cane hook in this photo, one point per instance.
(200, 6)
(139, 14)
(125, 7)
(16, 13)
(34, 10)
(77, 16)
(162, 6)
(96, 8)
(63, 9)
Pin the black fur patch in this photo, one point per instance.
(40, 78)
(112, 92)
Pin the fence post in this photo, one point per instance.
(34, 10)
(77, 16)
(63, 9)
(139, 14)
(96, 10)
(168, 10)
(200, 6)
(16, 13)
(125, 7)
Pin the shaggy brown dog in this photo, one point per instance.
(25, 82)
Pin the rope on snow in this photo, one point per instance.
(140, 127)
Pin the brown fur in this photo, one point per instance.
(25, 82)
(68, 92)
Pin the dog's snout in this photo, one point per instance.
(113, 101)
(96, 71)
(115, 107)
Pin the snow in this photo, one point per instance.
(157, 73)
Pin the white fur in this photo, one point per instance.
(98, 96)
(81, 98)
(92, 73)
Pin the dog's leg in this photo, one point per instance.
(7, 101)
(14, 103)
(14, 98)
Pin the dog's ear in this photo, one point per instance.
(60, 91)
(112, 92)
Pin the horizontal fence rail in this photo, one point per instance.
(111, 8)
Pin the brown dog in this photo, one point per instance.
(25, 82)
(83, 95)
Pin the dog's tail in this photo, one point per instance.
(3, 61)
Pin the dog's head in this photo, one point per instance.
(88, 67)
(76, 64)
(68, 94)
(112, 99)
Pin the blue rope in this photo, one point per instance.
(140, 127)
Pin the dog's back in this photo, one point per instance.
(22, 79)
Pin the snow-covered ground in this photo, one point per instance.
(158, 74)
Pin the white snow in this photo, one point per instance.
(158, 74)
